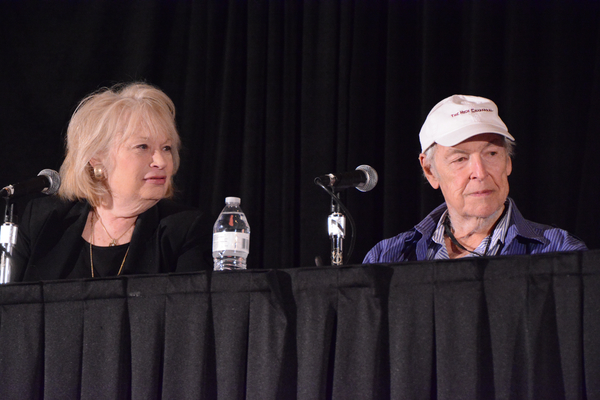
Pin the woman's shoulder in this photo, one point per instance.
(169, 209)
(50, 214)
(175, 220)
(52, 205)
(173, 213)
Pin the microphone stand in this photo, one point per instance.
(336, 223)
(337, 226)
(8, 239)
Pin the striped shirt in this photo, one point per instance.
(521, 237)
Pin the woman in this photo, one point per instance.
(111, 216)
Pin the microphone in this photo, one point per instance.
(47, 182)
(364, 178)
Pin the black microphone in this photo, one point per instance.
(47, 182)
(364, 178)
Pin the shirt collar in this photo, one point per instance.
(497, 240)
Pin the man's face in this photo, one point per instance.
(473, 175)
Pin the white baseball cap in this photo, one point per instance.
(459, 117)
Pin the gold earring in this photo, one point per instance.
(99, 173)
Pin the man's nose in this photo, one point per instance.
(478, 168)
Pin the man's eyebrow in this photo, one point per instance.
(454, 150)
(496, 143)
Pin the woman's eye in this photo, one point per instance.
(142, 146)
(167, 148)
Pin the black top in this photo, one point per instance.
(107, 260)
(167, 238)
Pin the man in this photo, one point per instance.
(466, 152)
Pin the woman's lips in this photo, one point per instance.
(157, 180)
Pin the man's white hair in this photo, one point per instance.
(508, 145)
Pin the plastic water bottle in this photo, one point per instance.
(231, 237)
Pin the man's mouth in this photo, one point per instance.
(481, 193)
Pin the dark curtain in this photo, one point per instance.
(271, 94)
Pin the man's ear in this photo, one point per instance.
(429, 172)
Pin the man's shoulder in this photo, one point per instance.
(542, 238)
(557, 239)
(394, 249)
(403, 246)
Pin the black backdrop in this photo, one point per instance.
(270, 94)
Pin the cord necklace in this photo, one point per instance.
(114, 240)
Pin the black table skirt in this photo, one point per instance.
(525, 327)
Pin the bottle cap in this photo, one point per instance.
(232, 200)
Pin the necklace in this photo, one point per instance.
(448, 232)
(113, 241)
(91, 245)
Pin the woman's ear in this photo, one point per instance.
(98, 169)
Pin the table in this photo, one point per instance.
(518, 327)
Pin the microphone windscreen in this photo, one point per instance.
(54, 179)
(372, 178)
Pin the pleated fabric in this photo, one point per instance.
(522, 327)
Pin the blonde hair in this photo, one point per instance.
(101, 123)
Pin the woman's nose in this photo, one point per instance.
(158, 160)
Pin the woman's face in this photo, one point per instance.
(141, 171)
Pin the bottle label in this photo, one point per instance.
(231, 241)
